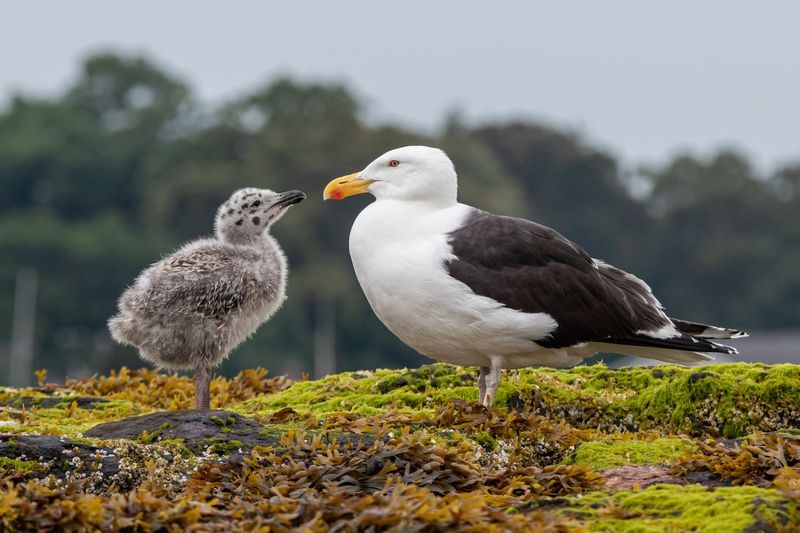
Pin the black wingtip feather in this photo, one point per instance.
(683, 342)
(705, 331)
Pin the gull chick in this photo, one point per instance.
(192, 308)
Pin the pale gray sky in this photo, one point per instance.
(643, 79)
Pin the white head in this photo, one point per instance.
(411, 173)
(249, 212)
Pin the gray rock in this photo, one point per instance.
(58, 456)
(223, 431)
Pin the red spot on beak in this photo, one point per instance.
(337, 194)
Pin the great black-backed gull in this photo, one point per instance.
(189, 310)
(468, 287)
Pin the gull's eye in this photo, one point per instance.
(394, 163)
(256, 203)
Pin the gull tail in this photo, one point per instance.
(704, 331)
(690, 342)
(668, 355)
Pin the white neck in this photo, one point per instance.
(387, 222)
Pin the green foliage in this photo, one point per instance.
(570, 186)
(744, 241)
(101, 181)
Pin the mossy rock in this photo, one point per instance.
(17, 465)
(685, 508)
(612, 453)
(46, 455)
(223, 432)
(58, 402)
(731, 400)
(582, 449)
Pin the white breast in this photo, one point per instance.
(399, 252)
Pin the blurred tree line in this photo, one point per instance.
(126, 165)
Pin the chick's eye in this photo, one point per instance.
(394, 163)
(257, 203)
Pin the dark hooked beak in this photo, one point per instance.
(290, 198)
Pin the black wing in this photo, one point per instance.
(532, 268)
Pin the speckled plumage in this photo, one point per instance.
(192, 308)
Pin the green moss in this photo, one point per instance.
(684, 508)
(64, 401)
(218, 421)
(372, 393)
(227, 425)
(600, 455)
(18, 465)
(166, 442)
(87, 440)
(10, 396)
(59, 421)
(121, 408)
(176, 446)
(223, 446)
(276, 431)
(485, 439)
(53, 422)
(149, 438)
(730, 399)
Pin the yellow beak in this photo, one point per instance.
(349, 185)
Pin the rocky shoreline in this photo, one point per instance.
(589, 448)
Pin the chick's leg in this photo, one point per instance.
(202, 386)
